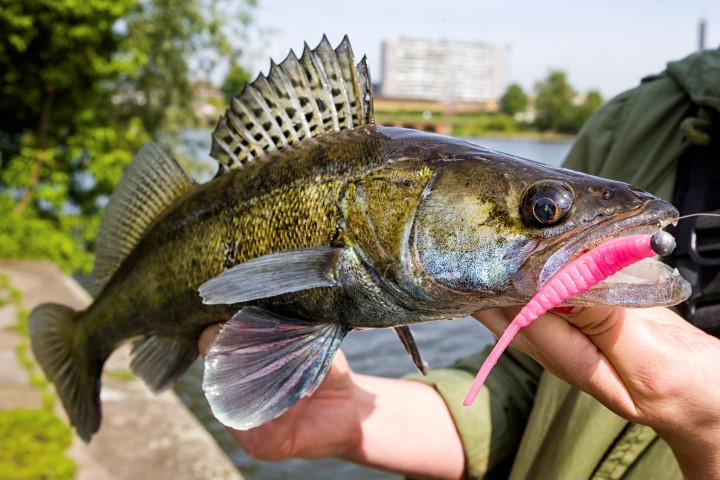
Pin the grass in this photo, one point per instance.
(33, 444)
(121, 374)
(462, 124)
(32, 441)
(468, 124)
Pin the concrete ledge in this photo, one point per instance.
(142, 435)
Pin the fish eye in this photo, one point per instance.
(546, 203)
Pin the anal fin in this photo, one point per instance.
(408, 341)
(261, 363)
(160, 361)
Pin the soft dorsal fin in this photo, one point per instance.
(323, 91)
(150, 183)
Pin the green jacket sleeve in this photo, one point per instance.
(490, 429)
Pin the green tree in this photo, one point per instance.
(82, 86)
(234, 82)
(174, 44)
(56, 56)
(514, 100)
(593, 101)
(554, 108)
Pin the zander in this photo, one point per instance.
(320, 222)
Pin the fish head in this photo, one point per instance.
(489, 229)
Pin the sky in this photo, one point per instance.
(604, 45)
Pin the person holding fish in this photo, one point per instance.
(320, 222)
(621, 393)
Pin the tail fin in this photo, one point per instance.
(73, 369)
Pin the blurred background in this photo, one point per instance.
(84, 84)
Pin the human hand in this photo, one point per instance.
(362, 419)
(647, 365)
(324, 424)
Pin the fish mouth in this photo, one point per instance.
(647, 283)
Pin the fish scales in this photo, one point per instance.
(288, 202)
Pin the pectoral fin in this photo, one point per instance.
(273, 274)
(407, 339)
(261, 363)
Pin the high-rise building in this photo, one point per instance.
(443, 70)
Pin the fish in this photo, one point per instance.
(320, 222)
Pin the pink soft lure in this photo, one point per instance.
(578, 276)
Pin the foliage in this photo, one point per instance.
(56, 57)
(63, 219)
(557, 112)
(171, 46)
(234, 82)
(478, 124)
(82, 86)
(32, 441)
(555, 105)
(33, 444)
(26, 236)
(514, 100)
(593, 101)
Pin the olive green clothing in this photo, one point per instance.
(526, 423)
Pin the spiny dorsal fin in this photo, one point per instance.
(148, 186)
(321, 92)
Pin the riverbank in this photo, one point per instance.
(469, 124)
(142, 435)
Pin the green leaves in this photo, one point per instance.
(234, 82)
(514, 100)
(30, 236)
(556, 107)
(84, 84)
(556, 104)
(33, 444)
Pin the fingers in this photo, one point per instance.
(314, 427)
(565, 351)
(311, 428)
(206, 337)
(274, 440)
(627, 359)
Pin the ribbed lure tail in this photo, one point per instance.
(75, 376)
(578, 276)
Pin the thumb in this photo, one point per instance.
(206, 337)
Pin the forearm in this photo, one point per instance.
(696, 449)
(406, 428)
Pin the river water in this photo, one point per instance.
(374, 352)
